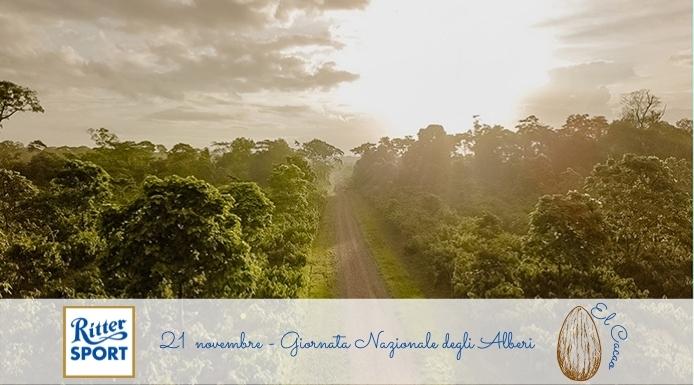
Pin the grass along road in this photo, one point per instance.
(406, 276)
(391, 266)
(321, 266)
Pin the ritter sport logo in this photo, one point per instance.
(98, 341)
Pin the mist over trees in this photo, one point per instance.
(590, 209)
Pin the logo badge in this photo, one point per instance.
(98, 341)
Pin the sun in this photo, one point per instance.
(420, 64)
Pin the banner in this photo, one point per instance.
(364, 341)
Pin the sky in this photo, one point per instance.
(344, 71)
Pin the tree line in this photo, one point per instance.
(134, 219)
(590, 209)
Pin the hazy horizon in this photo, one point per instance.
(345, 71)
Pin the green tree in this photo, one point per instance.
(253, 208)
(126, 161)
(567, 251)
(15, 192)
(648, 205)
(295, 222)
(490, 268)
(81, 184)
(10, 153)
(319, 151)
(290, 189)
(323, 158)
(179, 238)
(185, 160)
(427, 162)
(42, 167)
(32, 267)
(55, 250)
(377, 165)
(268, 154)
(235, 162)
(577, 145)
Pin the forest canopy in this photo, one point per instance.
(134, 219)
(590, 209)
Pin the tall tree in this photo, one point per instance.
(642, 107)
(234, 163)
(323, 157)
(426, 163)
(15, 98)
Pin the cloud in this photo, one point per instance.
(186, 114)
(577, 89)
(285, 109)
(591, 74)
(633, 31)
(286, 8)
(135, 15)
(170, 48)
(190, 69)
(597, 20)
(682, 58)
(616, 47)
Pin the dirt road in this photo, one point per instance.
(357, 272)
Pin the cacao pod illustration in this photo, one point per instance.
(578, 347)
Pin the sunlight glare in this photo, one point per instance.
(420, 64)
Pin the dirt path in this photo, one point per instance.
(357, 272)
(358, 277)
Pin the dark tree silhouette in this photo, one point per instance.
(15, 98)
(642, 107)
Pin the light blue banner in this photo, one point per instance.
(346, 341)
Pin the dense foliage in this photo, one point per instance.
(127, 219)
(592, 209)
